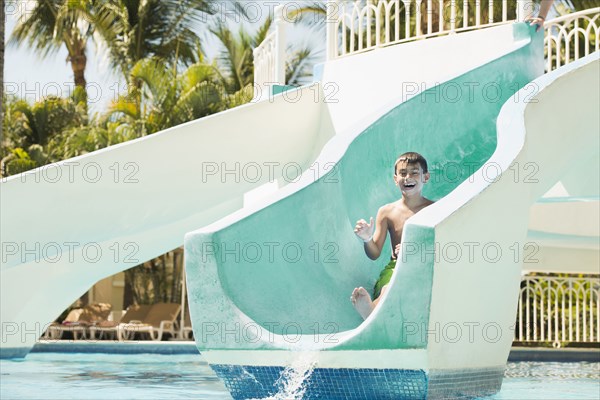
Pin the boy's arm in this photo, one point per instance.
(545, 6)
(373, 247)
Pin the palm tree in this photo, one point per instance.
(236, 57)
(52, 24)
(133, 30)
(130, 30)
(165, 98)
(237, 62)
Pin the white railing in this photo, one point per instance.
(558, 310)
(357, 26)
(270, 56)
(362, 25)
(571, 37)
(264, 60)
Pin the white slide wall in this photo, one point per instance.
(468, 325)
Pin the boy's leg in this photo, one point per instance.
(383, 290)
(384, 278)
(362, 301)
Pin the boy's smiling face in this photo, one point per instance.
(410, 178)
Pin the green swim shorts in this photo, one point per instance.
(384, 278)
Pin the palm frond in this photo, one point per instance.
(262, 32)
(312, 14)
(236, 57)
(157, 79)
(299, 66)
(124, 106)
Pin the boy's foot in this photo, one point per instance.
(362, 302)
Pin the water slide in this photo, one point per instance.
(269, 285)
(67, 225)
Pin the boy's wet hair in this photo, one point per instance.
(411, 158)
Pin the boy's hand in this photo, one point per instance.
(397, 249)
(364, 230)
(539, 21)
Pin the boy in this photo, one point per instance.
(410, 174)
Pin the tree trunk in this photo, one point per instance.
(175, 287)
(2, 26)
(128, 290)
(78, 61)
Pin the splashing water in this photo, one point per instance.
(292, 382)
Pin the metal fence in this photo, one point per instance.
(558, 310)
(357, 26)
(571, 37)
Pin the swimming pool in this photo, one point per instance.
(151, 376)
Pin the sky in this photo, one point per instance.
(29, 76)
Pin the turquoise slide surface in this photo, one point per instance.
(296, 261)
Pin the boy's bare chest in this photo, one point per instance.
(396, 221)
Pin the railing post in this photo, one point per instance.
(452, 16)
(280, 43)
(333, 9)
(257, 68)
(525, 9)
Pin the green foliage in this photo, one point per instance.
(26, 124)
(236, 58)
(238, 98)
(157, 280)
(133, 30)
(299, 66)
(161, 98)
(37, 154)
(86, 139)
(16, 162)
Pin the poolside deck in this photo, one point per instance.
(517, 354)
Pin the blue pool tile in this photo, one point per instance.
(246, 382)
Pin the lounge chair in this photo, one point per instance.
(161, 319)
(78, 321)
(55, 330)
(134, 314)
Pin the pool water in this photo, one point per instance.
(151, 376)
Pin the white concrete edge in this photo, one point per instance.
(409, 359)
(564, 241)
